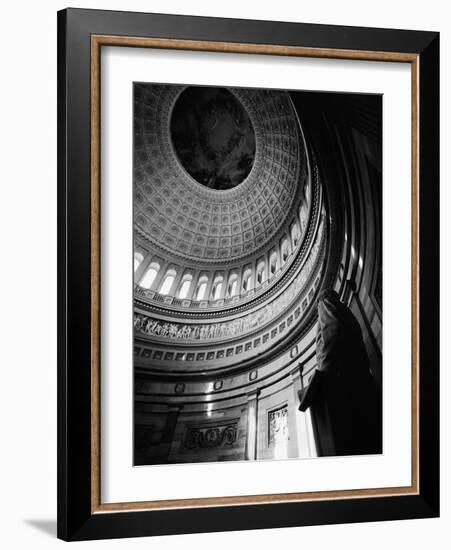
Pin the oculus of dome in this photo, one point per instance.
(213, 137)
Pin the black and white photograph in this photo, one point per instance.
(257, 299)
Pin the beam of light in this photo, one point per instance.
(251, 429)
(209, 397)
(281, 449)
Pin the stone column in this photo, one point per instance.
(175, 285)
(266, 260)
(161, 273)
(142, 268)
(169, 430)
(279, 259)
(239, 290)
(192, 288)
(225, 282)
(290, 242)
(207, 296)
(252, 280)
(252, 425)
(304, 427)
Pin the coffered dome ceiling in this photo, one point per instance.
(228, 194)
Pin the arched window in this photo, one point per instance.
(260, 272)
(232, 287)
(169, 279)
(201, 287)
(185, 286)
(149, 277)
(217, 287)
(246, 285)
(137, 259)
(295, 235)
(285, 251)
(273, 263)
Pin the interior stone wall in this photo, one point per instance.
(167, 413)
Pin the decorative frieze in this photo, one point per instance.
(210, 436)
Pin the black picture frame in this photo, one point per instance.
(76, 518)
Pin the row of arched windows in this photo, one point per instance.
(221, 287)
(166, 283)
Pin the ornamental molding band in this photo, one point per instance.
(207, 436)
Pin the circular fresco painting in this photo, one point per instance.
(213, 137)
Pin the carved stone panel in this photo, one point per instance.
(278, 426)
(204, 437)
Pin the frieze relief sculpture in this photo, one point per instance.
(207, 437)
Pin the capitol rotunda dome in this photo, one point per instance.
(242, 215)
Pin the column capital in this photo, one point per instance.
(252, 395)
(172, 407)
(297, 371)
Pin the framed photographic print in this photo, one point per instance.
(248, 274)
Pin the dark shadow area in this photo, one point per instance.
(46, 526)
